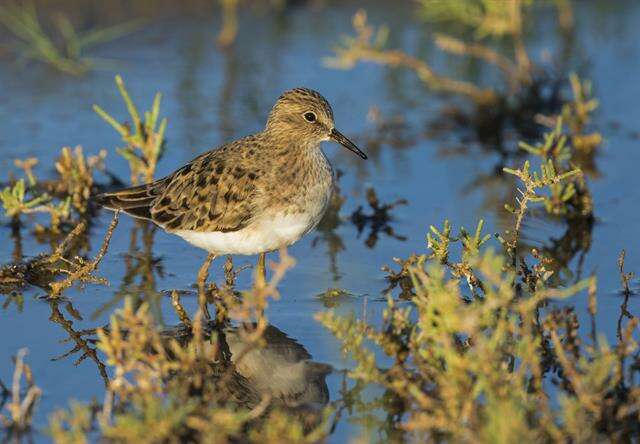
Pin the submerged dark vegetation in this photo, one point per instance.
(472, 345)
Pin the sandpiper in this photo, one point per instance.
(250, 196)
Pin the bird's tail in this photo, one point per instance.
(135, 201)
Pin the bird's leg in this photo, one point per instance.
(261, 271)
(203, 274)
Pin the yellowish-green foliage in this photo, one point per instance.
(481, 352)
(229, 11)
(144, 138)
(477, 368)
(71, 426)
(22, 199)
(229, 29)
(564, 148)
(486, 19)
(547, 178)
(473, 353)
(71, 189)
(65, 199)
(15, 201)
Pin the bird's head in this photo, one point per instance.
(303, 115)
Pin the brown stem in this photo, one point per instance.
(203, 275)
(426, 73)
(58, 287)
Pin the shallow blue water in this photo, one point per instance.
(210, 97)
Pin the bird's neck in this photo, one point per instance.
(286, 144)
(295, 161)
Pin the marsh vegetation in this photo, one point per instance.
(392, 322)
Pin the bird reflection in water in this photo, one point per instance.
(281, 369)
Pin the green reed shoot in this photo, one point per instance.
(71, 189)
(144, 137)
(15, 202)
(558, 155)
(21, 19)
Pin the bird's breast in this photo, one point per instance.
(302, 186)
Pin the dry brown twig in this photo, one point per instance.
(20, 410)
(61, 249)
(84, 269)
(367, 46)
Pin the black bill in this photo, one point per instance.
(342, 140)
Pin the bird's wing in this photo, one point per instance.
(212, 193)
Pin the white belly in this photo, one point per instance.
(266, 234)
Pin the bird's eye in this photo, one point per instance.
(310, 117)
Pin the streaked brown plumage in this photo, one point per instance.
(253, 195)
(214, 192)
